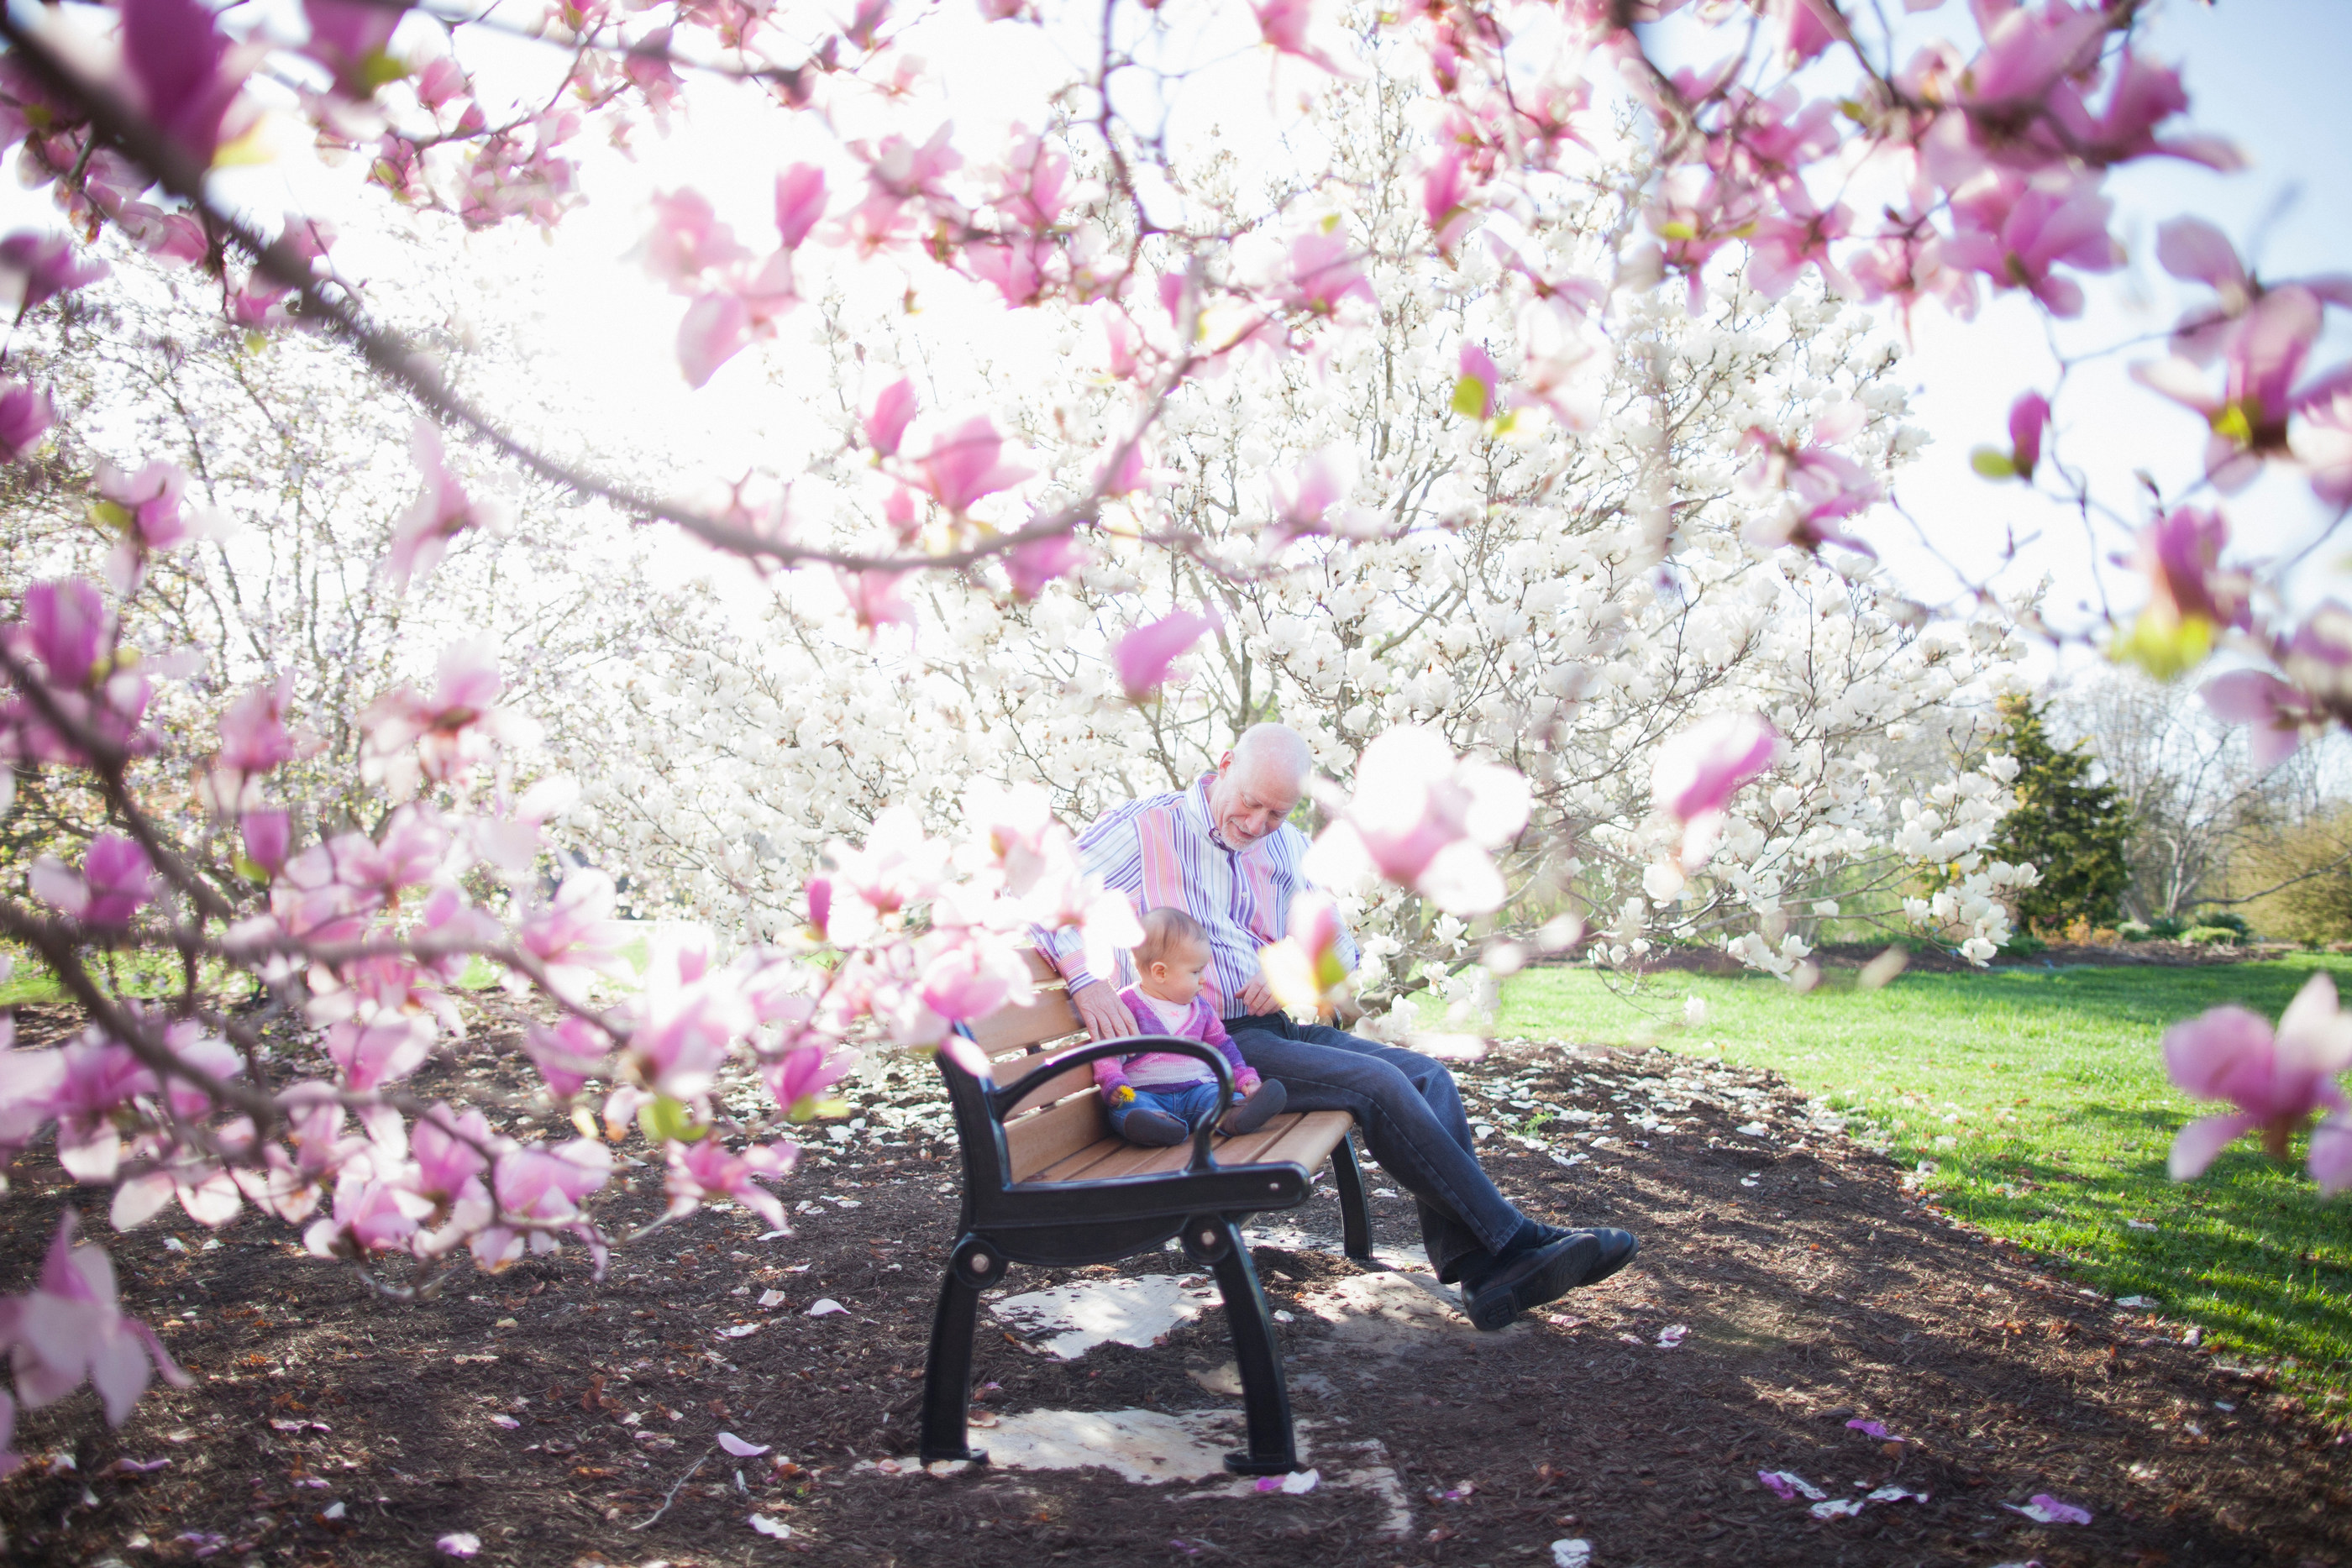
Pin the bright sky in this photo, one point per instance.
(2266, 72)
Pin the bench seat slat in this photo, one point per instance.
(1305, 1137)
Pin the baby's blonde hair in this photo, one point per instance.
(1166, 928)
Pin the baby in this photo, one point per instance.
(1157, 1096)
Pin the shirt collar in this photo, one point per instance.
(1196, 802)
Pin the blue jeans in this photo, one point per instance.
(1411, 1113)
(1188, 1102)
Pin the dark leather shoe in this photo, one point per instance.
(1617, 1250)
(1152, 1129)
(1264, 1103)
(1617, 1247)
(1537, 1275)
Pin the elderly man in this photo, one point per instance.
(1224, 851)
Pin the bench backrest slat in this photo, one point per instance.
(1077, 1079)
(1057, 1133)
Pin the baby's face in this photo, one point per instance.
(1175, 975)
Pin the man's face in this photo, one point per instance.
(1246, 806)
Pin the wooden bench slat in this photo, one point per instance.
(1307, 1137)
(1043, 1137)
(1012, 1028)
(1061, 1086)
(1310, 1141)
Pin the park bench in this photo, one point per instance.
(1045, 1182)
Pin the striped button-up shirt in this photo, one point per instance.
(1164, 850)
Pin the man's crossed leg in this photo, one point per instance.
(1409, 1111)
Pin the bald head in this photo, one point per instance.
(1258, 783)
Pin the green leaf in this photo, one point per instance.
(2164, 647)
(666, 1119)
(1470, 398)
(1993, 463)
(1677, 230)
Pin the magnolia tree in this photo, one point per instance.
(1476, 406)
(1379, 546)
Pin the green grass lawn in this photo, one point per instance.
(2040, 1097)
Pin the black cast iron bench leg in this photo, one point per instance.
(1217, 1240)
(1355, 1217)
(947, 1373)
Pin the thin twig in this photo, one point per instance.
(672, 1497)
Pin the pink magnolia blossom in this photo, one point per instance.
(1325, 274)
(971, 980)
(2014, 232)
(1032, 567)
(1444, 200)
(689, 1017)
(1783, 245)
(267, 835)
(1824, 485)
(886, 422)
(66, 623)
(69, 1328)
(2276, 1079)
(819, 897)
(1808, 28)
(369, 1217)
(116, 881)
(704, 1172)
(2028, 416)
(2330, 1158)
(1696, 772)
(1284, 23)
(1144, 653)
(99, 1080)
(29, 1084)
(567, 1054)
(144, 509)
(1303, 502)
(443, 1188)
(1308, 969)
(2279, 718)
(42, 266)
(799, 1077)
(966, 463)
(2180, 554)
(1475, 393)
(351, 39)
(446, 736)
(800, 202)
(186, 74)
(25, 415)
(2263, 359)
(442, 510)
(2322, 443)
(544, 1186)
(875, 598)
(2144, 95)
(1421, 818)
(688, 240)
(575, 936)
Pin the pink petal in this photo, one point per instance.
(2331, 1153)
(739, 1448)
(2197, 1146)
(2194, 249)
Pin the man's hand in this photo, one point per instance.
(1099, 1008)
(1258, 996)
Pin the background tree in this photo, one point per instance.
(2071, 824)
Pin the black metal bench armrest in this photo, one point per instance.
(1000, 1101)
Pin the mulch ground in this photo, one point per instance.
(566, 1421)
